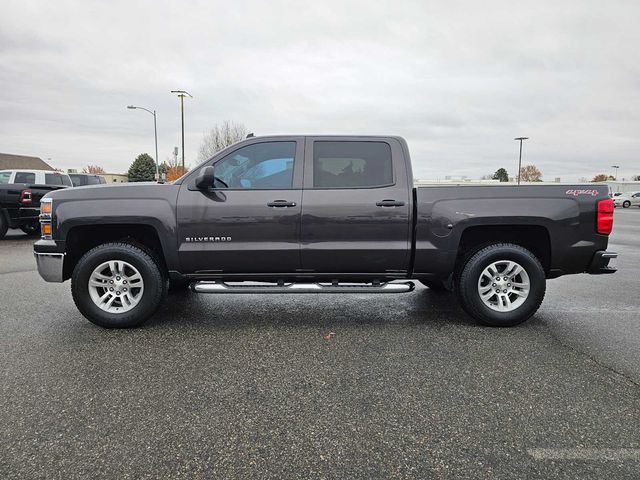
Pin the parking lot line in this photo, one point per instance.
(592, 454)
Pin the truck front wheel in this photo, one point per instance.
(117, 285)
(501, 285)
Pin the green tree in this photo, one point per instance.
(143, 169)
(501, 174)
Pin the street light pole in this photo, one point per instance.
(182, 94)
(155, 134)
(616, 167)
(520, 156)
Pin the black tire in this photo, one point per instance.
(626, 204)
(4, 224)
(435, 285)
(155, 284)
(469, 296)
(31, 229)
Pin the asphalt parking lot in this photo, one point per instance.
(254, 387)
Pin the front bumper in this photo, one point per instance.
(50, 260)
(50, 266)
(600, 263)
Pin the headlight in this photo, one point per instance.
(46, 208)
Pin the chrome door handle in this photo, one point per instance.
(390, 203)
(281, 203)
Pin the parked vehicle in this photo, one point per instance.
(82, 179)
(627, 200)
(320, 214)
(35, 177)
(20, 207)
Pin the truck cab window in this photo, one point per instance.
(4, 177)
(76, 180)
(261, 165)
(352, 164)
(25, 177)
(53, 179)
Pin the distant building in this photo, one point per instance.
(622, 186)
(461, 180)
(9, 161)
(115, 177)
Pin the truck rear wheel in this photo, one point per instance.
(118, 285)
(31, 229)
(502, 285)
(4, 224)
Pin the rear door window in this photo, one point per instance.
(352, 164)
(93, 180)
(76, 180)
(25, 177)
(57, 179)
(4, 177)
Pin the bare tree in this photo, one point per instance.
(94, 169)
(221, 136)
(530, 173)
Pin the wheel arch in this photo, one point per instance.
(535, 238)
(82, 238)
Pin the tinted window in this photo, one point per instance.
(93, 180)
(76, 180)
(25, 177)
(351, 164)
(56, 179)
(4, 177)
(261, 165)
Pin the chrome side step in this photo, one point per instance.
(264, 287)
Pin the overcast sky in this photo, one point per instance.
(458, 80)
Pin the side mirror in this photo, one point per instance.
(205, 179)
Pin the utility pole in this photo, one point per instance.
(182, 94)
(520, 156)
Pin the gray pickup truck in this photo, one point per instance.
(319, 214)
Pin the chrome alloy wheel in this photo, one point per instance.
(116, 286)
(503, 286)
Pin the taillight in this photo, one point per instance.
(605, 216)
(26, 196)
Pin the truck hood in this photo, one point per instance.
(133, 190)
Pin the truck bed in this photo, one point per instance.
(560, 216)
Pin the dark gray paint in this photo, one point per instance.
(331, 233)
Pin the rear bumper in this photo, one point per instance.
(19, 217)
(600, 263)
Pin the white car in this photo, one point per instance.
(35, 177)
(627, 199)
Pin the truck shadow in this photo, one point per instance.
(421, 307)
(18, 235)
